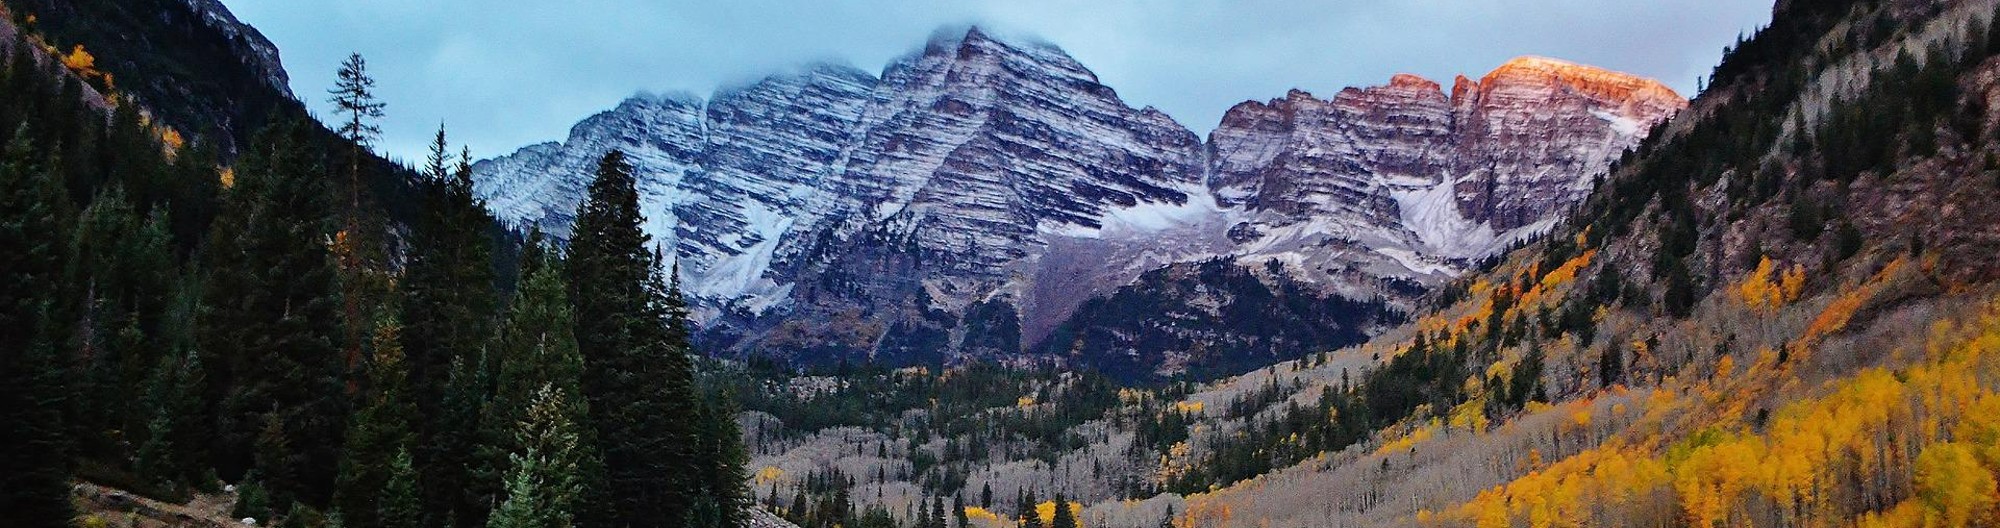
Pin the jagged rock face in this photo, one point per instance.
(1534, 132)
(976, 143)
(771, 147)
(970, 150)
(543, 184)
(945, 170)
(1305, 158)
(1455, 176)
(256, 51)
(979, 192)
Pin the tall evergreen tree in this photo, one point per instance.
(1029, 517)
(637, 379)
(34, 487)
(401, 504)
(537, 348)
(379, 431)
(449, 308)
(356, 244)
(723, 462)
(173, 443)
(448, 282)
(543, 486)
(274, 321)
(958, 514)
(1064, 518)
(452, 495)
(122, 279)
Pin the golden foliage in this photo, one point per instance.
(1047, 512)
(1766, 290)
(1175, 463)
(976, 513)
(1564, 493)
(1567, 271)
(1757, 291)
(1406, 441)
(769, 474)
(1793, 284)
(80, 61)
(1926, 436)
(171, 141)
(1204, 511)
(1952, 486)
(1470, 416)
(1836, 315)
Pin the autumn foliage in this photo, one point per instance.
(1917, 446)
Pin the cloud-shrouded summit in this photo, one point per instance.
(506, 74)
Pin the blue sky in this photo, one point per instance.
(503, 74)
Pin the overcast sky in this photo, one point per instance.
(507, 73)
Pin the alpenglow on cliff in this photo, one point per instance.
(973, 196)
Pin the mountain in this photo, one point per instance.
(1492, 162)
(1780, 309)
(979, 191)
(191, 63)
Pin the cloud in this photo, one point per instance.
(504, 73)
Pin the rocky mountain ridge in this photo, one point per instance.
(256, 51)
(983, 178)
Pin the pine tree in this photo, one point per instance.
(723, 461)
(542, 486)
(636, 377)
(958, 511)
(400, 503)
(1064, 517)
(172, 451)
(537, 348)
(34, 477)
(379, 432)
(1029, 518)
(357, 249)
(273, 323)
(452, 497)
(121, 280)
(448, 306)
(1611, 366)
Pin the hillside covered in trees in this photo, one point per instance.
(334, 340)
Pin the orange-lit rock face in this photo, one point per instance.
(1639, 96)
(1515, 148)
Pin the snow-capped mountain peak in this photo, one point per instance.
(982, 172)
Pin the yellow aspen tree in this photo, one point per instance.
(1954, 489)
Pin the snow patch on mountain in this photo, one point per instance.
(1432, 213)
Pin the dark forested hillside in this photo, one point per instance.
(1219, 318)
(204, 79)
(283, 315)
